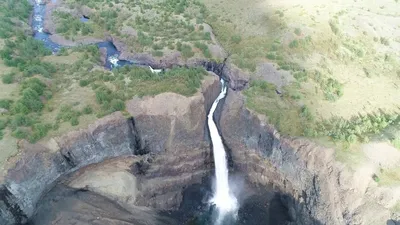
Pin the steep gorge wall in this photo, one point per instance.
(175, 133)
(38, 167)
(173, 139)
(302, 170)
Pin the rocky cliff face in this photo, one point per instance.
(295, 167)
(319, 190)
(173, 138)
(38, 167)
(175, 134)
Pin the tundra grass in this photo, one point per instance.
(342, 68)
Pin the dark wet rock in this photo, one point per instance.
(236, 78)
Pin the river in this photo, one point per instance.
(38, 18)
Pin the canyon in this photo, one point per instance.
(147, 160)
(154, 164)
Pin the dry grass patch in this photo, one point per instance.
(389, 177)
(8, 146)
(348, 42)
(69, 59)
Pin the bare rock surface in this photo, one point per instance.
(80, 206)
(111, 178)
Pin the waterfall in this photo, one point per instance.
(222, 198)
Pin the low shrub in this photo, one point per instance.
(236, 39)
(157, 53)
(5, 103)
(87, 110)
(186, 51)
(204, 49)
(39, 131)
(8, 78)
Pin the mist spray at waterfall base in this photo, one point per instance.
(223, 199)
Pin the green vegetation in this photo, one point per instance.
(67, 113)
(156, 25)
(236, 39)
(20, 10)
(184, 81)
(396, 142)
(24, 113)
(204, 49)
(262, 98)
(5, 103)
(157, 53)
(8, 78)
(388, 177)
(299, 120)
(297, 31)
(33, 114)
(334, 27)
(25, 53)
(186, 50)
(300, 43)
(333, 90)
(358, 128)
(384, 41)
(71, 26)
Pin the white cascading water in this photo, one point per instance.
(223, 199)
(113, 60)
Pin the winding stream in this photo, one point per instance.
(38, 17)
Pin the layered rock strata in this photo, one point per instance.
(173, 139)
